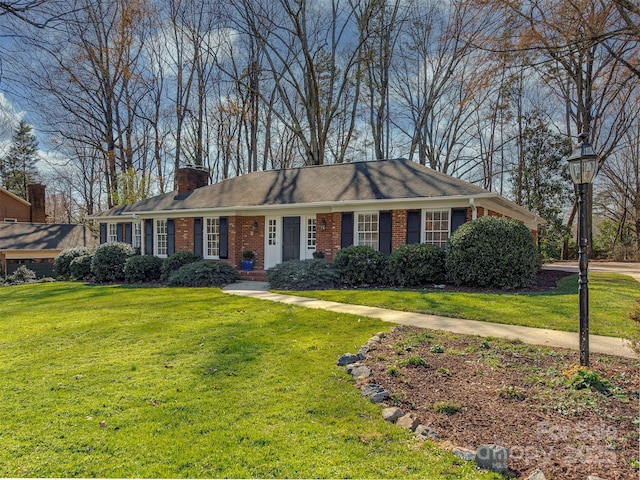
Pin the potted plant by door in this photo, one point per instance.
(248, 257)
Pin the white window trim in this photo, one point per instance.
(311, 233)
(112, 232)
(423, 233)
(356, 231)
(205, 238)
(136, 235)
(10, 220)
(156, 237)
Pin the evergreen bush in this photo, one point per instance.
(416, 264)
(108, 261)
(361, 265)
(204, 273)
(142, 268)
(312, 274)
(62, 263)
(174, 262)
(21, 275)
(492, 252)
(80, 267)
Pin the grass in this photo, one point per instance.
(111, 381)
(611, 298)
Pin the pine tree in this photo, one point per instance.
(18, 166)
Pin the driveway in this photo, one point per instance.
(626, 268)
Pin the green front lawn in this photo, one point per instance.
(110, 381)
(611, 299)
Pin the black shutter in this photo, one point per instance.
(119, 232)
(413, 226)
(127, 233)
(224, 237)
(148, 237)
(458, 217)
(197, 236)
(103, 233)
(384, 239)
(171, 236)
(346, 230)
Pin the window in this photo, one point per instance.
(311, 233)
(11, 220)
(136, 238)
(436, 227)
(212, 237)
(162, 236)
(112, 232)
(367, 229)
(272, 232)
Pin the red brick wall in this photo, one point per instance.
(324, 239)
(184, 234)
(12, 208)
(248, 240)
(398, 228)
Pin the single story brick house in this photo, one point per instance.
(291, 213)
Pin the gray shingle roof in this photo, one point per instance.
(45, 236)
(378, 180)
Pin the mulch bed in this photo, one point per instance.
(517, 396)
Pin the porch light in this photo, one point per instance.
(323, 225)
(583, 165)
(254, 227)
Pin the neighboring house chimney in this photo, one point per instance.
(190, 178)
(36, 198)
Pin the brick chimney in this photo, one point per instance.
(36, 198)
(190, 178)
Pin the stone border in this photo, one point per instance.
(489, 457)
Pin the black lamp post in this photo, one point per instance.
(583, 165)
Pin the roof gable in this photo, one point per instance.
(13, 196)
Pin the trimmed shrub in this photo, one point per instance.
(416, 264)
(21, 275)
(62, 263)
(361, 265)
(80, 267)
(142, 268)
(204, 273)
(108, 262)
(312, 274)
(174, 262)
(492, 252)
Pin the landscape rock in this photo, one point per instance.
(375, 339)
(392, 414)
(347, 359)
(426, 433)
(464, 453)
(408, 421)
(375, 393)
(594, 477)
(536, 475)
(360, 372)
(492, 457)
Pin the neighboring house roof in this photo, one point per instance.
(39, 236)
(323, 184)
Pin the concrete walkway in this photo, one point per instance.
(534, 336)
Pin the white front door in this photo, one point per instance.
(273, 246)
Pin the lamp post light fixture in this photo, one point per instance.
(583, 165)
